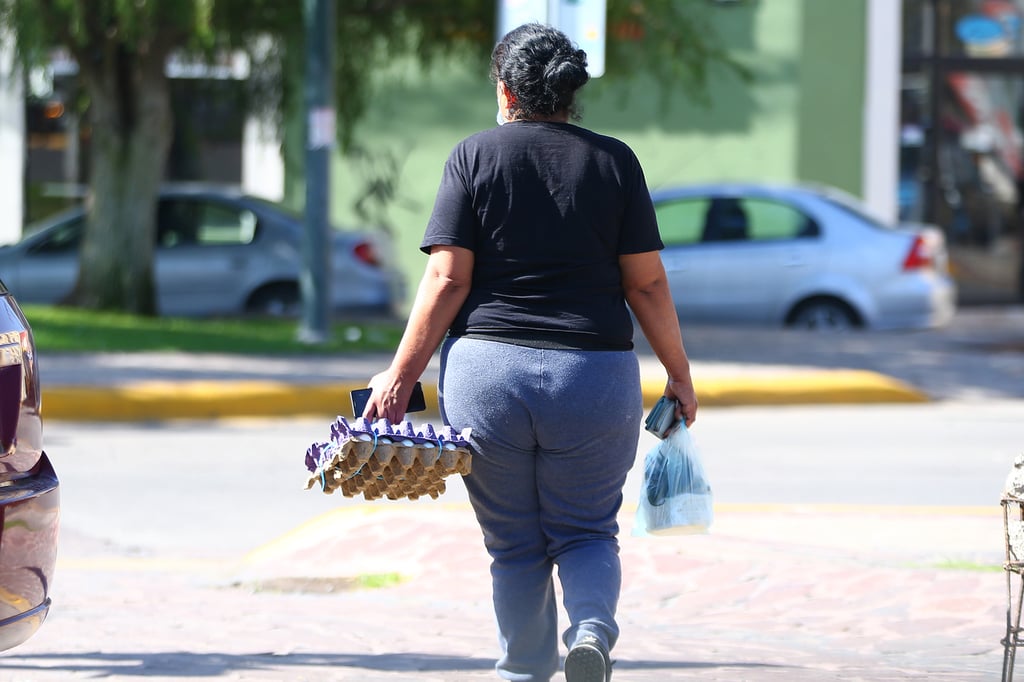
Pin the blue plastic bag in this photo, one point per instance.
(675, 498)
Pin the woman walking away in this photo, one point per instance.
(542, 233)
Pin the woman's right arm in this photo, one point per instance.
(647, 293)
(442, 291)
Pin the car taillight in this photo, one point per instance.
(920, 255)
(29, 371)
(26, 345)
(365, 253)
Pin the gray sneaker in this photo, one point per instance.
(588, 661)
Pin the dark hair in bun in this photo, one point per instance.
(542, 69)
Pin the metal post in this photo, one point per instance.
(936, 77)
(320, 133)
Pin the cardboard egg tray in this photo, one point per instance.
(379, 460)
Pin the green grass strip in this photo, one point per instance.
(60, 329)
(958, 565)
(377, 581)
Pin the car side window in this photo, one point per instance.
(726, 220)
(774, 221)
(220, 224)
(203, 223)
(681, 221)
(176, 223)
(64, 239)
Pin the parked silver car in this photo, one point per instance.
(800, 256)
(218, 252)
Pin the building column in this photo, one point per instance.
(262, 162)
(880, 140)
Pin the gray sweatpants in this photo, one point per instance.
(554, 433)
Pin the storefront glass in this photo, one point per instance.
(961, 145)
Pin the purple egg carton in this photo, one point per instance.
(382, 428)
(319, 454)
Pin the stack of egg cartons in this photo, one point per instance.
(379, 460)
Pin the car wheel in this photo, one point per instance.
(824, 314)
(278, 300)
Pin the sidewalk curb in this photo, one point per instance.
(811, 387)
(163, 400)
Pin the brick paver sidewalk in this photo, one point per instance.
(802, 595)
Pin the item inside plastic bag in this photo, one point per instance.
(676, 497)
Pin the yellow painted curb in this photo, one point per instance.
(839, 386)
(159, 400)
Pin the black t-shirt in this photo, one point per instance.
(547, 209)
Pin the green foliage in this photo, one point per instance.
(90, 28)
(674, 41)
(671, 40)
(380, 172)
(370, 35)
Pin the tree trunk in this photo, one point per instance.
(130, 115)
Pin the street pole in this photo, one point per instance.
(933, 139)
(320, 134)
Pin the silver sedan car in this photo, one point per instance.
(799, 256)
(219, 252)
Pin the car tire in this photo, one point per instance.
(276, 300)
(824, 314)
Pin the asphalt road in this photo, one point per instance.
(197, 488)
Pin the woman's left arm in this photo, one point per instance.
(648, 295)
(441, 293)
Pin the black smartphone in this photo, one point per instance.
(417, 403)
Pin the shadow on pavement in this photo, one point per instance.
(190, 664)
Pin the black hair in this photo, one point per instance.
(542, 69)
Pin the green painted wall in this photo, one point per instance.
(744, 131)
(799, 119)
(831, 87)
